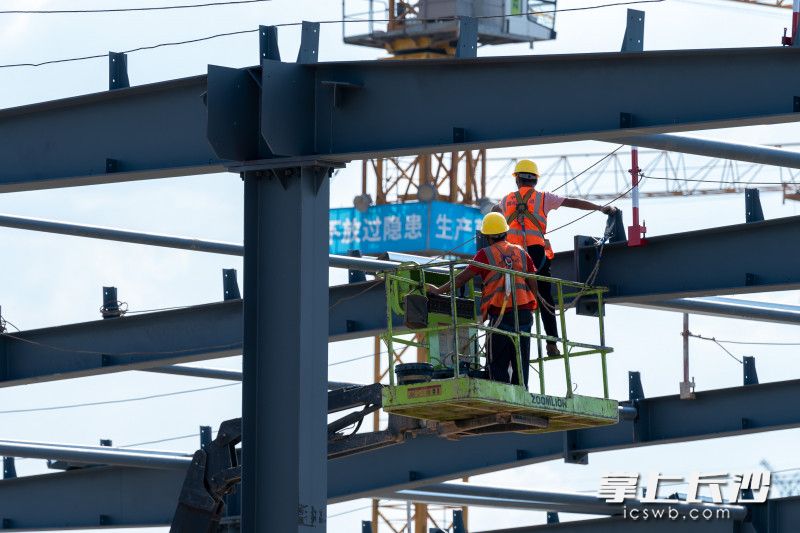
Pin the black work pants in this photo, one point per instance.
(501, 348)
(542, 264)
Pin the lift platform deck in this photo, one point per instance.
(468, 398)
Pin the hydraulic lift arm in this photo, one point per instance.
(213, 473)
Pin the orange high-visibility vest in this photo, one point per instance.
(505, 255)
(527, 220)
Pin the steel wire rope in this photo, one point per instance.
(110, 402)
(755, 343)
(124, 9)
(287, 24)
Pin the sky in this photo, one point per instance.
(52, 280)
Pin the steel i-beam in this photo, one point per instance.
(284, 400)
(338, 111)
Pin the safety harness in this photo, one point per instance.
(521, 213)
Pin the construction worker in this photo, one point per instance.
(526, 211)
(497, 302)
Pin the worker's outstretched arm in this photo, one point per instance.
(463, 277)
(577, 203)
(497, 209)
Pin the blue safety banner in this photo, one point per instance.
(411, 227)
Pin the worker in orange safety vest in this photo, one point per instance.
(526, 211)
(497, 301)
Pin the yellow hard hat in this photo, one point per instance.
(494, 224)
(526, 165)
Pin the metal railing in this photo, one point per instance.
(542, 12)
(366, 12)
(399, 286)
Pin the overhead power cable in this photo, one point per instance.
(109, 402)
(286, 24)
(167, 439)
(357, 358)
(124, 9)
(350, 511)
(160, 441)
(132, 50)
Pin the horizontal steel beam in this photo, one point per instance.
(120, 235)
(170, 241)
(654, 272)
(135, 342)
(206, 124)
(567, 502)
(41, 501)
(729, 308)
(667, 419)
(106, 496)
(198, 372)
(707, 262)
(775, 516)
(154, 340)
(762, 155)
(95, 455)
(51, 500)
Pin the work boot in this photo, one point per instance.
(552, 350)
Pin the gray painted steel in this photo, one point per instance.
(151, 131)
(415, 463)
(648, 274)
(153, 340)
(729, 307)
(111, 234)
(566, 502)
(135, 342)
(198, 372)
(633, 40)
(285, 394)
(167, 241)
(426, 460)
(707, 262)
(170, 241)
(763, 155)
(96, 455)
(91, 497)
(200, 124)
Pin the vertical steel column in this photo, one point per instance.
(284, 399)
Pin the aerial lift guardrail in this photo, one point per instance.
(449, 329)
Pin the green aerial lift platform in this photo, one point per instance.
(452, 390)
